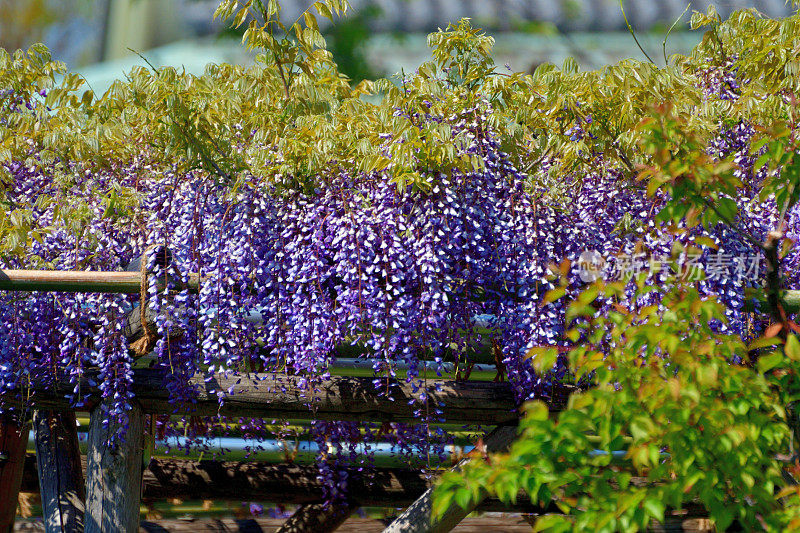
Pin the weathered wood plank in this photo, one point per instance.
(114, 474)
(59, 467)
(316, 518)
(339, 398)
(13, 442)
(281, 483)
(417, 517)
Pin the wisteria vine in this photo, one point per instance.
(289, 277)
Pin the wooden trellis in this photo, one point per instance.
(110, 497)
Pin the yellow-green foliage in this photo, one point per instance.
(292, 117)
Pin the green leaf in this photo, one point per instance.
(792, 348)
(537, 411)
(655, 508)
(727, 208)
(770, 361)
(463, 497)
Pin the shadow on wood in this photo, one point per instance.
(317, 518)
(60, 471)
(114, 474)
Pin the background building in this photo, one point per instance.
(378, 38)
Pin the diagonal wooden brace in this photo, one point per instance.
(417, 517)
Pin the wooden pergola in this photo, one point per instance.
(109, 497)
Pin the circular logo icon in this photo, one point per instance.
(590, 266)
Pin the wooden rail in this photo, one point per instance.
(76, 281)
(338, 398)
(130, 283)
(283, 483)
(290, 484)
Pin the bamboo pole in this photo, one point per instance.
(76, 281)
(130, 283)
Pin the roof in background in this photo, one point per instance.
(390, 54)
(505, 15)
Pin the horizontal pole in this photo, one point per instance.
(338, 398)
(70, 281)
(130, 283)
(291, 484)
(76, 281)
(369, 363)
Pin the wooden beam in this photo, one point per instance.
(417, 517)
(316, 518)
(13, 442)
(338, 398)
(60, 471)
(289, 484)
(75, 281)
(114, 474)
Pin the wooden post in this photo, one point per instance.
(58, 461)
(316, 518)
(13, 441)
(114, 475)
(417, 517)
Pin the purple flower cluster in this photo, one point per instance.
(720, 81)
